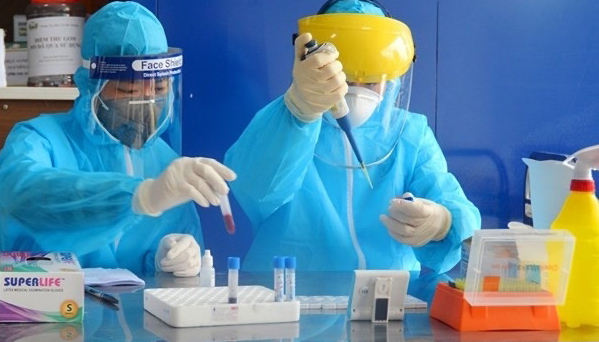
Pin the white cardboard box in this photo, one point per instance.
(40, 287)
(16, 63)
(20, 28)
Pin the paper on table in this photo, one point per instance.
(110, 277)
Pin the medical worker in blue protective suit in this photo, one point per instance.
(300, 183)
(105, 180)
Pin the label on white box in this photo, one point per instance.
(40, 287)
(54, 45)
(2, 70)
(20, 28)
(16, 66)
(225, 314)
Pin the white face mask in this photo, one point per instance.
(361, 102)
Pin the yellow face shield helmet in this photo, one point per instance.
(377, 54)
(371, 48)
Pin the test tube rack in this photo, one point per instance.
(208, 306)
(450, 307)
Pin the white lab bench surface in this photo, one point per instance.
(128, 321)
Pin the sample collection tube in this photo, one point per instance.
(290, 264)
(233, 279)
(225, 208)
(279, 266)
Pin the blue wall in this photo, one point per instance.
(497, 80)
(238, 57)
(514, 77)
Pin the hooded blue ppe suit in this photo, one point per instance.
(327, 216)
(66, 188)
(354, 6)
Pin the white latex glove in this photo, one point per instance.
(318, 82)
(179, 254)
(416, 222)
(198, 179)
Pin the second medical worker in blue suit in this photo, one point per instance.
(106, 180)
(298, 179)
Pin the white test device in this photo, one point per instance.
(378, 295)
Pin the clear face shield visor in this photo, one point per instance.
(377, 116)
(138, 98)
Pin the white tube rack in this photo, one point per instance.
(208, 306)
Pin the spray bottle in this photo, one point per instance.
(580, 216)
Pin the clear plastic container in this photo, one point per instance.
(54, 32)
(517, 267)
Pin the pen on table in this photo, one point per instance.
(101, 295)
(102, 302)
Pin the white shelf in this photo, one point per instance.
(38, 93)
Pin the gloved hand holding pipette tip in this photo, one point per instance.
(198, 179)
(416, 221)
(179, 254)
(318, 82)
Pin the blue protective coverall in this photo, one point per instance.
(327, 216)
(66, 188)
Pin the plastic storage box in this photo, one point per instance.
(518, 267)
(514, 280)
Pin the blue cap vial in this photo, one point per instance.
(290, 262)
(233, 263)
(278, 262)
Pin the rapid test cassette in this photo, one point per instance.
(209, 306)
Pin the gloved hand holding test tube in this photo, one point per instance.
(225, 208)
(340, 109)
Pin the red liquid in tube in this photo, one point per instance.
(229, 223)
